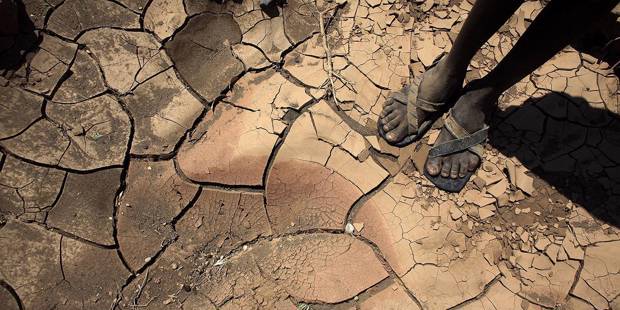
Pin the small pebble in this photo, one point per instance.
(349, 229)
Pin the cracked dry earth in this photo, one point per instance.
(170, 154)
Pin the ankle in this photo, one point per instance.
(455, 68)
(487, 86)
(471, 116)
(495, 83)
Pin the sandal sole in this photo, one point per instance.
(448, 184)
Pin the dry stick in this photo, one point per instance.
(116, 300)
(139, 291)
(330, 67)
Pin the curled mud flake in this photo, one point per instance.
(300, 20)
(73, 17)
(309, 70)
(202, 53)
(268, 35)
(164, 17)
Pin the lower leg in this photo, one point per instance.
(444, 81)
(559, 23)
(485, 18)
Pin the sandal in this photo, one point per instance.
(463, 141)
(409, 94)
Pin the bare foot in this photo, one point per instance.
(439, 84)
(469, 113)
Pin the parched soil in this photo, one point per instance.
(188, 154)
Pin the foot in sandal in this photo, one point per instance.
(408, 114)
(458, 150)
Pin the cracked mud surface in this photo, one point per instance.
(186, 154)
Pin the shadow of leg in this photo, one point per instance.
(570, 145)
(17, 36)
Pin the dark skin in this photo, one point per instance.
(485, 18)
(560, 22)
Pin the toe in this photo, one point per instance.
(388, 107)
(463, 169)
(390, 124)
(473, 162)
(455, 167)
(445, 167)
(390, 116)
(433, 166)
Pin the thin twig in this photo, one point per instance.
(330, 66)
(141, 287)
(117, 299)
(145, 305)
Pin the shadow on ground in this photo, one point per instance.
(570, 145)
(17, 36)
(603, 41)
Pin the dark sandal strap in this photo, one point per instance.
(463, 139)
(400, 97)
(428, 106)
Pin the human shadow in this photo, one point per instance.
(570, 144)
(18, 36)
(602, 41)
